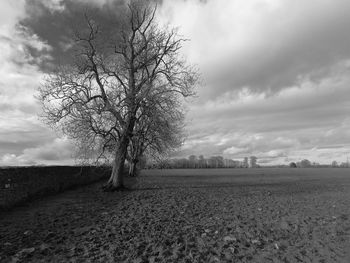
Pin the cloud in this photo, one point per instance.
(276, 75)
(291, 122)
(20, 76)
(57, 152)
(265, 46)
(276, 153)
(10, 12)
(234, 150)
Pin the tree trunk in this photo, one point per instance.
(133, 168)
(116, 181)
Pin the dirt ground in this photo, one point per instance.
(227, 215)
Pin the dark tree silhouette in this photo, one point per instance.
(293, 165)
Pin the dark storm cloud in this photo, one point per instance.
(58, 27)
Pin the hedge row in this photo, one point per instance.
(19, 184)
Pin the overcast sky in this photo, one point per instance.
(276, 76)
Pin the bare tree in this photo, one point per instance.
(98, 98)
(158, 129)
(334, 164)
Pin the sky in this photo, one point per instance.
(275, 76)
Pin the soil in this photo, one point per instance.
(252, 215)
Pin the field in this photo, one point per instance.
(213, 215)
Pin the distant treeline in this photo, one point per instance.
(307, 164)
(200, 162)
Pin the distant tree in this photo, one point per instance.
(344, 165)
(315, 164)
(215, 162)
(220, 161)
(305, 163)
(245, 162)
(193, 161)
(293, 165)
(253, 160)
(334, 164)
(183, 163)
(201, 161)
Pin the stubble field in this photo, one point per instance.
(212, 215)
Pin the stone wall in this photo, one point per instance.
(20, 184)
